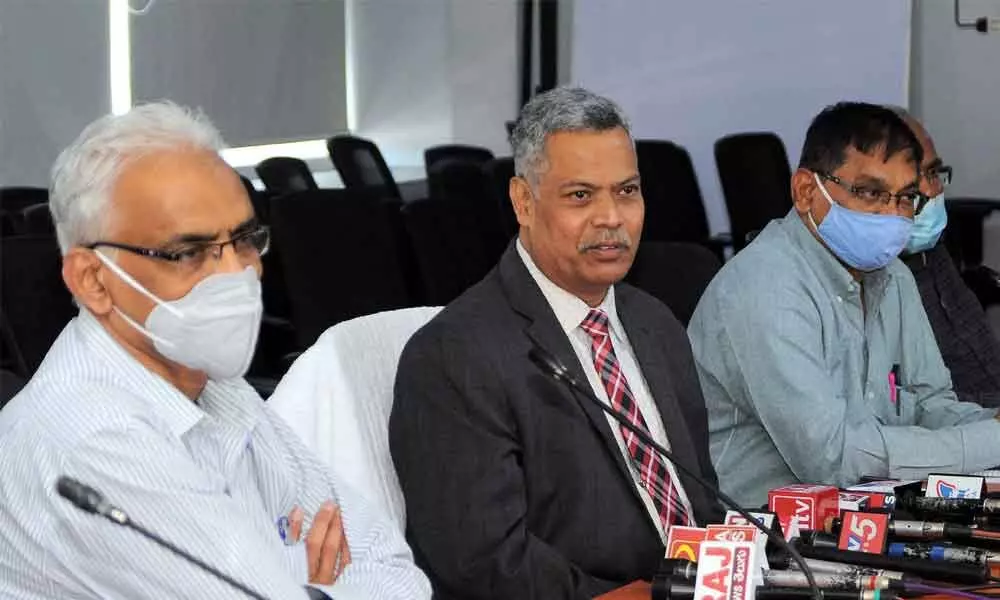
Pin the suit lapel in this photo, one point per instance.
(543, 329)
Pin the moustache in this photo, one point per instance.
(615, 237)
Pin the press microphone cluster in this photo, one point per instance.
(551, 366)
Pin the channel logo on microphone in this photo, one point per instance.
(955, 486)
(863, 531)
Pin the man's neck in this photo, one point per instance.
(188, 381)
(855, 273)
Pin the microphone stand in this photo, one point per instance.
(90, 500)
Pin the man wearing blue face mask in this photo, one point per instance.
(814, 353)
(142, 396)
(967, 342)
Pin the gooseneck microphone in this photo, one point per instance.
(551, 366)
(90, 500)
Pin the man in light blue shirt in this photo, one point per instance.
(812, 346)
(142, 397)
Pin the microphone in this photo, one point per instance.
(962, 554)
(551, 365)
(951, 507)
(92, 501)
(686, 571)
(927, 569)
(685, 591)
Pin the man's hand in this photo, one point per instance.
(326, 544)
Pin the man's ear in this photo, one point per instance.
(522, 200)
(803, 190)
(84, 275)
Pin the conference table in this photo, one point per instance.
(638, 590)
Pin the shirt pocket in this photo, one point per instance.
(904, 411)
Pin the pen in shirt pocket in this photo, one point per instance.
(894, 386)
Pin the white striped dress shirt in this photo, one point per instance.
(214, 477)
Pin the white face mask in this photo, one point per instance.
(212, 329)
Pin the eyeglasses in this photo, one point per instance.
(908, 201)
(192, 257)
(939, 173)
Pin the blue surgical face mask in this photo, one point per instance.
(865, 241)
(928, 225)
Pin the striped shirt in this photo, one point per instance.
(215, 477)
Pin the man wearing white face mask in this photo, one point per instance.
(967, 342)
(142, 397)
(814, 353)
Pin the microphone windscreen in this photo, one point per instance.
(83, 496)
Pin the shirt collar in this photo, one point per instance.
(233, 401)
(570, 310)
(165, 401)
(827, 264)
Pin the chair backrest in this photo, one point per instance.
(284, 174)
(37, 220)
(340, 259)
(675, 211)
(35, 305)
(675, 273)
(10, 384)
(756, 181)
(457, 179)
(499, 172)
(449, 246)
(361, 165)
(14, 199)
(338, 396)
(471, 154)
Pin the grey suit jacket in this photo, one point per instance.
(515, 487)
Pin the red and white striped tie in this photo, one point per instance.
(653, 472)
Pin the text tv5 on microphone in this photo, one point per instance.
(863, 531)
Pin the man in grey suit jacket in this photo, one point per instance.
(516, 487)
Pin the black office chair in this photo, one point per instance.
(340, 258)
(499, 172)
(756, 181)
(283, 175)
(449, 246)
(37, 220)
(15, 199)
(472, 154)
(675, 273)
(964, 240)
(35, 305)
(675, 211)
(10, 223)
(10, 384)
(361, 165)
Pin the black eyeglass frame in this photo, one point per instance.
(179, 255)
(920, 200)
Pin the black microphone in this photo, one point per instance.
(964, 508)
(553, 367)
(685, 591)
(90, 500)
(927, 569)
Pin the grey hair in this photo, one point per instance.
(86, 171)
(560, 109)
